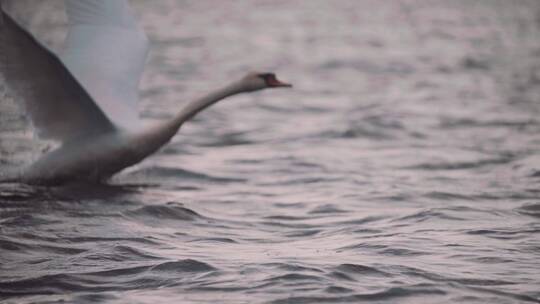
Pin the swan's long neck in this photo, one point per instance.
(161, 134)
(197, 106)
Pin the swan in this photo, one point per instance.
(86, 99)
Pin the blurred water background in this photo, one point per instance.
(404, 167)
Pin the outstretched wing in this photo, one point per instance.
(106, 50)
(60, 108)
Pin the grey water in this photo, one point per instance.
(404, 166)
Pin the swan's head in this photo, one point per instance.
(258, 81)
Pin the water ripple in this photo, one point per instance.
(169, 211)
(389, 294)
(402, 167)
(109, 280)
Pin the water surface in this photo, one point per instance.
(404, 166)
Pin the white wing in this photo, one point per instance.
(106, 50)
(59, 106)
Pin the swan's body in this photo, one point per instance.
(88, 99)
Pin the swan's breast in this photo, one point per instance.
(93, 159)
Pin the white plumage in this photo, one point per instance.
(106, 50)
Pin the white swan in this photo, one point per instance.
(87, 100)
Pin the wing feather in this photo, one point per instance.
(59, 106)
(106, 50)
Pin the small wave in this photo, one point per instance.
(367, 132)
(447, 122)
(388, 294)
(448, 196)
(326, 209)
(535, 173)
(122, 253)
(188, 265)
(361, 221)
(403, 252)
(286, 218)
(288, 224)
(360, 270)
(436, 277)
(302, 233)
(477, 284)
(94, 298)
(48, 284)
(462, 165)
(337, 289)
(530, 210)
(32, 247)
(375, 127)
(129, 278)
(169, 211)
(504, 234)
(428, 215)
(292, 267)
(361, 246)
(452, 213)
(10, 192)
(161, 173)
(228, 139)
(301, 181)
(295, 277)
(383, 249)
(490, 260)
(24, 220)
(472, 63)
(370, 67)
(214, 240)
(87, 239)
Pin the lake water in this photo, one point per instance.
(404, 166)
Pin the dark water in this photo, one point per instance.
(403, 168)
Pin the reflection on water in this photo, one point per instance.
(403, 166)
